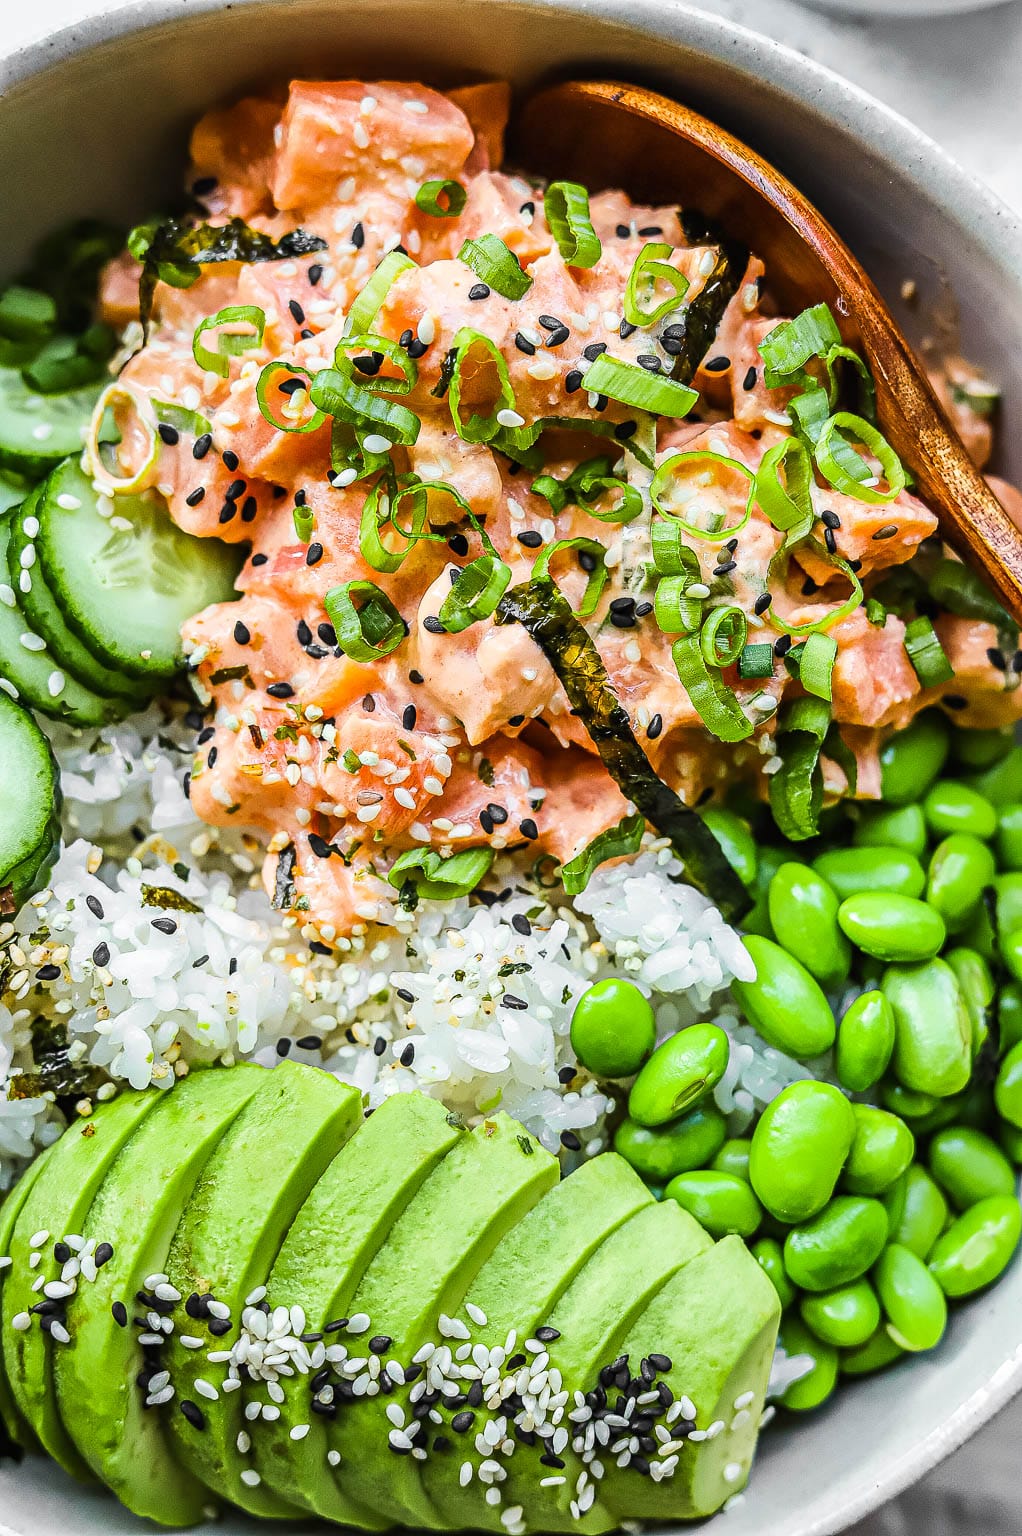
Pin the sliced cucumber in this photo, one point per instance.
(12, 491)
(32, 670)
(126, 584)
(30, 875)
(43, 613)
(37, 431)
(28, 791)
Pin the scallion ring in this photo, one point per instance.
(833, 615)
(833, 438)
(496, 265)
(928, 657)
(438, 878)
(789, 506)
(566, 209)
(270, 377)
(615, 843)
(229, 343)
(340, 396)
(472, 346)
(369, 629)
(675, 612)
(716, 704)
(376, 512)
(643, 391)
(475, 593)
(789, 346)
(366, 305)
(816, 664)
(304, 522)
(596, 579)
(383, 347)
(454, 195)
(650, 268)
(189, 423)
(671, 555)
(723, 635)
(665, 480)
(140, 408)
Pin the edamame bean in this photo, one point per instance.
(803, 915)
(784, 1002)
(932, 1028)
(1009, 836)
(720, 1202)
(1008, 889)
(892, 927)
(980, 749)
(852, 870)
(613, 1030)
(969, 1166)
(768, 1255)
(977, 984)
(865, 1040)
(886, 826)
(960, 869)
(1011, 952)
(799, 1147)
(837, 1246)
(924, 1213)
(911, 759)
(1009, 1016)
(875, 1355)
(733, 1157)
(979, 935)
(812, 1389)
(882, 1149)
(678, 1073)
(738, 845)
(912, 1300)
(904, 1102)
(1008, 1088)
(659, 1152)
(951, 806)
(1010, 1138)
(978, 1247)
(757, 919)
(844, 1317)
(1000, 783)
(893, 1199)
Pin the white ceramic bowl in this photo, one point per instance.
(94, 121)
(902, 9)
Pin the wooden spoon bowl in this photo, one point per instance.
(606, 134)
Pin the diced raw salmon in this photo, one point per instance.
(487, 107)
(234, 147)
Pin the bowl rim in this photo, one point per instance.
(931, 171)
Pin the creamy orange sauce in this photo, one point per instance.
(459, 740)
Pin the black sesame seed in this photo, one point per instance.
(498, 812)
(625, 429)
(336, 1326)
(530, 539)
(218, 1326)
(997, 658)
(571, 1141)
(528, 208)
(168, 435)
(165, 924)
(260, 559)
(303, 632)
(516, 1004)
(315, 273)
(547, 1335)
(242, 633)
(830, 541)
(203, 186)
(249, 508)
(888, 531)
(417, 348)
(194, 1306)
(407, 1056)
(725, 567)
(379, 1045)
(528, 828)
(101, 954)
(648, 361)
(319, 948)
(309, 1042)
(433, 625)
(327, 633)
(408, 717)
(230, 460)
(749, 382)
(762, 602)
(369, 704)
(119, 1312)
(655, 727)
(458, 544)
(61, 1252)
(194, 497)
(524, 344)
(642, 609)
(593, 350)
(227, 511)
(559, 337)
(415, 677)
(572, 381)
(717, 365)
(479, 291)
(462, 1422)
(520, 923)
(193, 1413)
(283, 1047)
(280, 691)
(830, 519)
(623, 231)
(95, 906)
(48, 973)
(783, 645)
(358, 236)
(235, 489)
(314, 554)
(565, 1074)
(319, 845)
(672, 346)
(661, 1363)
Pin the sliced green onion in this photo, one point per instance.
(810, 412)
(723, 635)
(366, 631)
(867, 388)
(566, 209)
(876, 612)
(834, 615)
(833, 464)
(928, 657)
(109, 481)
(553, 491)
(475, 593)
(615, 843)
(671, 555)
(789, 506)
(270, 376)
(478, 429)
(663, 482)
(229, 343)
(650, 268)
(954, 586)
(339, 396)
(756, 660)
(789, 346)
(304, 522)
(716, 704)
(626, 509)
(674, 611)
(367, 303)
(631, 385)
(454, 195)
(816, 664)
(381, 383)
(437, 878)
(376, 513)
(796, 789)
(596, 578)
(189, 423)
(496, 265)
(409, 486)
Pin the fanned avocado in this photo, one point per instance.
(336, 1235)
(10, 1210)
(520, 1285)
(136, 1211)
(485, 1185)
(230, 1234)
(58, 1204)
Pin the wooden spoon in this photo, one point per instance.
(606, 134)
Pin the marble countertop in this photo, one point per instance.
(957, 77)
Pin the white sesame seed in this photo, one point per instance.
(244, 1442)
(219, 1310)
(256, 1296)
(57, 1290)
(206, 1389)
(375, 442)
(60, 1333)
(508, 418)
(477, 1314)
(732, 1472)
(744, 1400)
(38, 1239)
(167, 1292)
(358, 1323)
(21, 1322)
(250, 1478)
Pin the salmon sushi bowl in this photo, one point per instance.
(511, 1168)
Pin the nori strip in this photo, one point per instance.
(175, 251)
(540, 608)
(284, 879)
(702, 317)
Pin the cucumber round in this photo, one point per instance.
(37, 431)
(35, 675)
(28, 792)
(42, 611)
(126, 584)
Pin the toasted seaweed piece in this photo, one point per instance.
(702, 317)
(540, 608)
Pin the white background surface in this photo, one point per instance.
(958, 78)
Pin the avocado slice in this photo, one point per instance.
(231, 1231)
(13, 1203)
(521, 1283)
(717, 1321)
(485, 1185)
(58, 1204)
(335, 1236)
(137, 1210)
(593, 1317)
